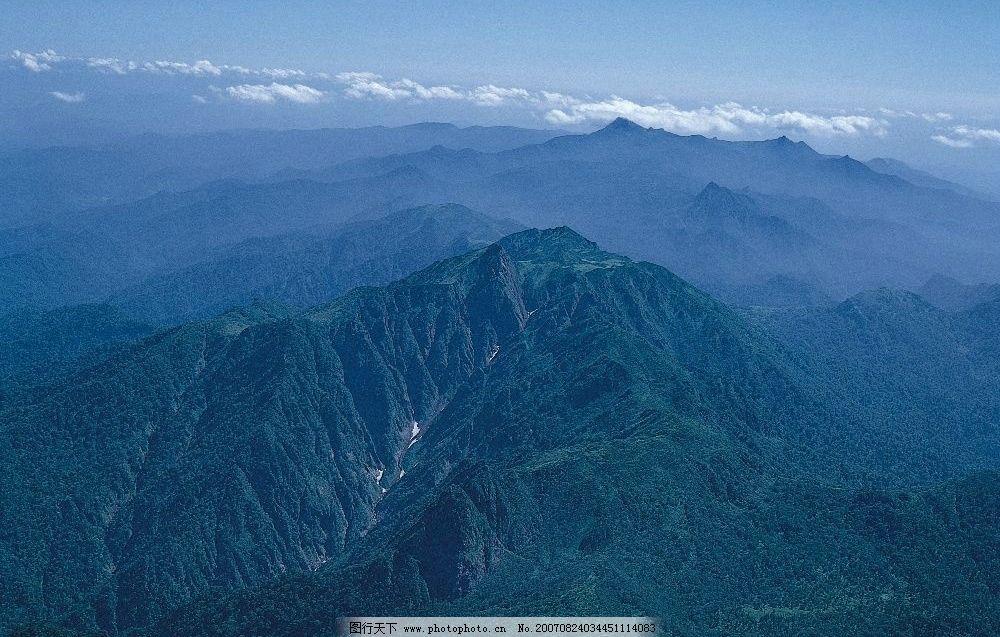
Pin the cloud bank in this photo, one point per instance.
(931, 118)
(562, 110)
(289, 86)
(47, 60)
(729, 118)
(364, 85)
(37, 62)
(565, 110)
(271, 93)
(967, 136)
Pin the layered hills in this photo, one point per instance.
(755, 223)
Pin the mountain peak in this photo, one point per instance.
(552, 244)
(787, 146)
(718, 201)
(621, 124)
(561, 246)
(712, 189)
(884, 299)
(846, 165)
(716, 195)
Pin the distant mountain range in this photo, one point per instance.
(534, 427)
(919, 177)
(757, 223)
(625, 186)
(949, 294)
(46, 183)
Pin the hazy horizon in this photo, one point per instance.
(812, 74)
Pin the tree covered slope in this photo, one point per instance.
(534, 427)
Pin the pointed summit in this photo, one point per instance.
(850, 167)
(718, 202)
(713, 189)
(719, 196)
(621, 125)
(788, 148)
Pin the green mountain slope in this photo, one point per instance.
(38, 338)
(924, 381)
(606, 531)
(636, 449)
(537, 426)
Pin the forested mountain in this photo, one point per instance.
(802, 559)
(683, 313)
(39, 338)
(213, 424)
(910, 368)
(536, 427)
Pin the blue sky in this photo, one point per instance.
(900, 64)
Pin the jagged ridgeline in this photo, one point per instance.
(535, 427)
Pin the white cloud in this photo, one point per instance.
(933, 118)
(45, 61)
(661, 115)
(112, 65)
(270, 93)
(362, 85)
(553, 99)
(963, 136)
(936, 117)
(984, 134)
(954, 143)
(201, 67)
(822, 125)
(199, 99)
(280, 74)
(369, 85)
(430, 92)
(37, 62)
(69, 98)
(490, 95)
(730, 118)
